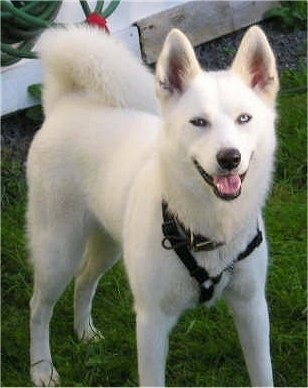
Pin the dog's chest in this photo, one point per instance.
(184, 292)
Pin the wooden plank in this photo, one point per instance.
(245, 13)
(201, 21)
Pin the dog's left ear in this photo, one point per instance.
(177, 65)
(256, 64)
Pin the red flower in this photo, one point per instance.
(95, 19)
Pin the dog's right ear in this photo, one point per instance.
(177, 65)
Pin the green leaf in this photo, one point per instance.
(35, 91)
(35, 113)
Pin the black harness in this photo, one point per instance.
(183, 242)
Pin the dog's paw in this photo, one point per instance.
(44, 374)
(90, 334)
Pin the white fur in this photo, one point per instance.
(94, 69)
(99, 168)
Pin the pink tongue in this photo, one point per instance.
(227, 185)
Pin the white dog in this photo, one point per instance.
(179, 194)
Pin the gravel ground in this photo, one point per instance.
(287, 46)
(290, 49)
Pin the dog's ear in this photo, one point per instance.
(255, 63)
(177, 65)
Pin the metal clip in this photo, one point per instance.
(203, 244)
(166, 243)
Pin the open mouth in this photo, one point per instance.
(225, 186)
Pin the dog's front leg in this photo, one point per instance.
(153, 342)
(252, 323)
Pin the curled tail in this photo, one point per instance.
(86, 59)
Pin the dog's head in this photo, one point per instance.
(218, 124)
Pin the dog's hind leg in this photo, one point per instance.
(101, 253)
(56, 253)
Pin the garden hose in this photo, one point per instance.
(22, 22)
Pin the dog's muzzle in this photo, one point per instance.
(226, 186)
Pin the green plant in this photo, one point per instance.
(292, 162)
(35, 113)
(22, 22)
(290, 14)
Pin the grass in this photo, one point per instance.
(204, 350)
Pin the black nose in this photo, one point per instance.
(228, 158)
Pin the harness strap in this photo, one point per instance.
(254, 243)
(177, 235)
(182, 241)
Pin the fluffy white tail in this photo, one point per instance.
(86, 59)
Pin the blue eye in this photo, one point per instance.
(199, 122)
(243, 118)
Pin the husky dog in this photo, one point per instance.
(177, 190)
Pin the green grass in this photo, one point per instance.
(204, 349)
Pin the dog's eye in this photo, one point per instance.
(244, 118)
(199, 122)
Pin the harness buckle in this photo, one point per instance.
(199, 243)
